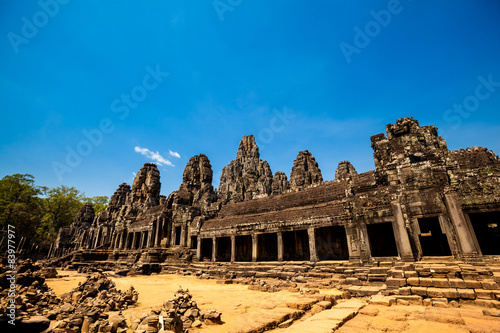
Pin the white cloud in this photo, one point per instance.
(155, 156)
(174, 154)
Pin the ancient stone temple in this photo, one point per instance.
(422, 200)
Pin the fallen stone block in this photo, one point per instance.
(382, 300)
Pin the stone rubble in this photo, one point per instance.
(177, 314)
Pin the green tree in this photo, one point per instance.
(20, 205)
(98, 202)
(60, 206)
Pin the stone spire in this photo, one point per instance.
(305, 172)
(119, 198)
(248, 148)
(280, 183)
(345, 170)
(146, 186)
(85, 216)
(246, 177)
(196, 188)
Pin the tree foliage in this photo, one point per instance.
(60, 206)
(20, 205)
(39, 212)
(98, 202)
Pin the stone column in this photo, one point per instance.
(352, 243)
(141, 239)
(312, 244)
(254, 247)
(183, 236)
(159, 229)
(233, 248)
(134, 237)
(460, 224)
(280, 246)
(214, 249)
(173, 236)
(116, 240)
(96, 243)
(169, 232)
(198, 248)
(150, 238)
(400, 233)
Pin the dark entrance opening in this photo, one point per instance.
(331, 243)
(223, 249)
(177, 236)
(243, 248)
(487, 229)
(206, 248)
(382, 241)
(267, 247)
(137, 240)
(432, 239)
(296, 245)
(194, 242)
(128, 245)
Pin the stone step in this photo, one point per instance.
(361, 291)
(328, 320)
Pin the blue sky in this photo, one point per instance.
(166, 80)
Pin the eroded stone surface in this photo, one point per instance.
(247, 177)
(305, 172)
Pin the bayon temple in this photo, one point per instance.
(421, 201)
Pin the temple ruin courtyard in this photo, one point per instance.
(247, 310)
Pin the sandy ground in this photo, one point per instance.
(244, 310)
(420, 319)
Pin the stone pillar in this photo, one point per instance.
(198, 248)
(312, 244)
(233, 248)
(169, 232)
(460, 224)
(280, 246)
(141, 239)
(172, 237)
(150, 239)
(400, 233)
(159, 229)
(183, 236)
(214, 249)
(254, 247)
(50, 250)
(96, 243)
(353, 243)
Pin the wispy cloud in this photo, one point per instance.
(155, 156)
(174, 154)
